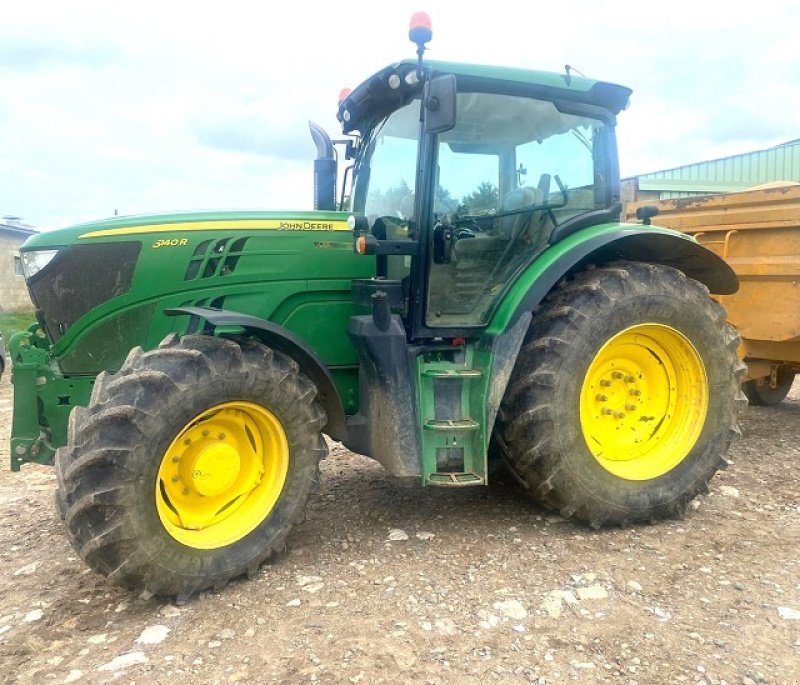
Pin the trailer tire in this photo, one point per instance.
(190, 465)
(624, 397)
(760, 394)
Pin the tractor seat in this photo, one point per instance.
(515, 224)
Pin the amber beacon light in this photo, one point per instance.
(420, 32)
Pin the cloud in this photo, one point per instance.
(252, 134)
(24, 53)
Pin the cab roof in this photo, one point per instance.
(374, 98)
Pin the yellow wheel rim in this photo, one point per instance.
(222, 475)
(643, 402)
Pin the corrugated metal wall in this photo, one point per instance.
(726, 175)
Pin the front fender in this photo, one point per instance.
(278, 338)
(600, 245)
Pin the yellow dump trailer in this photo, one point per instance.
(758, 233)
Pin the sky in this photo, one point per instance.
(147, 106)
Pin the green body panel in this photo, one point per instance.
(298, 277)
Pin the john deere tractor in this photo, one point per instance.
(477, 297)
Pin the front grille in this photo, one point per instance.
(79, 279)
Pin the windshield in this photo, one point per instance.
(385, 170)
(384, 182)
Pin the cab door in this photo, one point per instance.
(509, 172)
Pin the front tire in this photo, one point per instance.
(623, 400)
(191, 464)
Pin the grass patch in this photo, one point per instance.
(11, 322)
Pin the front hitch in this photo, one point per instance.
(30, 361)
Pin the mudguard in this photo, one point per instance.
(283, 340)
(632, 243)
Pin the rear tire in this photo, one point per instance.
(760, 394)
(190, 465)
(624, 397)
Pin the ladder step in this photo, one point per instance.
(460, 425)
(455, 479)
(452, 373)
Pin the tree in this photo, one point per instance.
(388, 202)
(484, 198)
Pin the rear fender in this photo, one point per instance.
(623, 242)
(283, 340)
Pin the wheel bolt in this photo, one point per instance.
(185, 491)
(606, 411)
(205, 434)
(635, 392)
(619, 415)
(605, 383)
(630, 379)
(174, 479)
(221, 436)
(175, 459)
(617, 374)
(630, 407)
(187, 441)
(601, 398)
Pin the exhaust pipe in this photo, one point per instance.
(324, 169)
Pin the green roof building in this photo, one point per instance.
(725, 175)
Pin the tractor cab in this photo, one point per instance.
(465, 174)
(462, 177)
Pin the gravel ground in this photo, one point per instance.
(385, 583)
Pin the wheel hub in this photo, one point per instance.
(222, 474)
(643, 401)
(210, 469)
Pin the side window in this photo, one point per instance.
(509, 172)
(568, 157)
(468, 182)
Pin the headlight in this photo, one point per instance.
(33, 261)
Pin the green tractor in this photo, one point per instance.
(479, 299)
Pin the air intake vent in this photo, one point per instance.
(215, 258)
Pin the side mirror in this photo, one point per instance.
(439, 101)
(645, 213)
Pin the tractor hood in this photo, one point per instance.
(112, 278)
(173, 225)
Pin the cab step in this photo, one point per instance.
(451, 392)
(450, 425)
(452, 373)
(449, 480)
